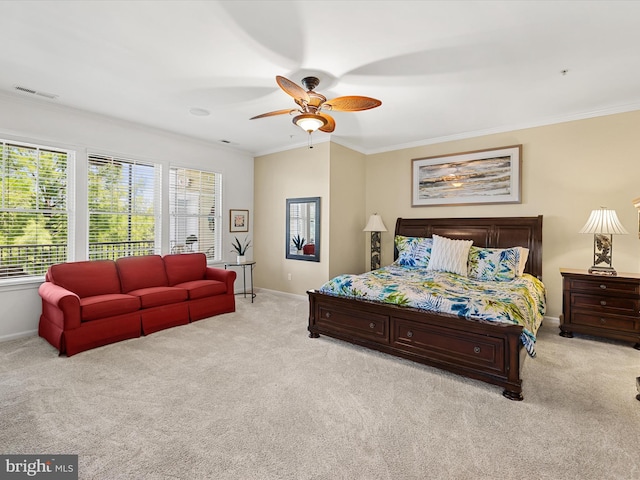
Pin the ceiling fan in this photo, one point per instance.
(310, 114)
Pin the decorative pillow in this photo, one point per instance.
(494, 264)
(413, 251)
(448, 255)
(524, 254)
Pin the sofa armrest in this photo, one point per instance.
(62, 300)
(222, 275)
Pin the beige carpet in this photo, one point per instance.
(249, 396)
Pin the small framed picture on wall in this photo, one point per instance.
(238, 220)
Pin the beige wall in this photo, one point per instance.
(301, 172)
(330, 171)
(347, 216)
(568, 170)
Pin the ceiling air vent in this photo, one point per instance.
(31, 91)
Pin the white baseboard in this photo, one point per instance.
(282, 294)
(13, 336)
(555, 321)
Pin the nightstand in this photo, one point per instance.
(599, 305)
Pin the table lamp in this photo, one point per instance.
(375, 226)
(603, 224)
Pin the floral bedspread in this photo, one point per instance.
(520, 301)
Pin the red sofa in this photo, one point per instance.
(94, 303)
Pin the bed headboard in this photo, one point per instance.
(496, 232)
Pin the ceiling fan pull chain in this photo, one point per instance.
(310, 141)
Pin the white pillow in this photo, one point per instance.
(448, 255)
(524, 254)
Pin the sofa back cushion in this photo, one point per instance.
(86, 279)
(141, 272)
(185, 267)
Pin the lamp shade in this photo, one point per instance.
(604, 221)
(375, 224)
(309, 122)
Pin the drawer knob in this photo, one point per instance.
(409, 334)
(603, 286)
(603, 302)
(372, 325)
(476, 349)
(603, 320)
(327, 315)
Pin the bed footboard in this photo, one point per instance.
(488, 352)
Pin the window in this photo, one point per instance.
(124, 212)
(34, 209)
(195, 212)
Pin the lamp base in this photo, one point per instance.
(609, 271)
(375, 250)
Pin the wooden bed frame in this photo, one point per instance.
(489, 352)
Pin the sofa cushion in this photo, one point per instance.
(185, 267)
(110, 305)
(156, 296)
(141, 272)
(87, 279)
(204, 288)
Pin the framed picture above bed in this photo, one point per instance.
(481, 176)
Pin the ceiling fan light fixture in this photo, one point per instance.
(309, 122)
(311, 102)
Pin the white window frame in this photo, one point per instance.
(156, 201)
(13, 274)
(193, 227)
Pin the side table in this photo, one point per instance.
(244, 266)
(604, 306)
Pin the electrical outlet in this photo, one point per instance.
(288, 276)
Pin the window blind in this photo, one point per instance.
(195, 212)
(124, 212)
(34, 212)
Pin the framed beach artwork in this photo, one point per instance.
(483, 176)
(238, 220)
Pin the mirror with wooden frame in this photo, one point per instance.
(303, 229)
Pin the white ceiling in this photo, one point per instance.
(442, 69)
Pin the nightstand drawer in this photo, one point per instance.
(597, 286)
(603, 321)
(625, 306)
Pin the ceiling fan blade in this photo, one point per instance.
(331, 123)
(351, 103)
(292, 89)
(271, 114)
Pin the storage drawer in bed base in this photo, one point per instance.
(476, 351)
(371, 326)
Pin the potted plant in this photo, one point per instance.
(240, 248)
(298, 242)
